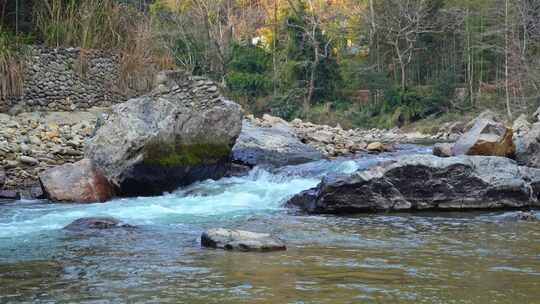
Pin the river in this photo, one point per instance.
(472, 257)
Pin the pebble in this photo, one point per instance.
(28, 160)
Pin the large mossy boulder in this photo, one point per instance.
(81, 182)
(487, 137)
(274, 145)
(422, 182)
(180, 133)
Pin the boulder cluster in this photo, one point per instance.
(490, 166)
(336, 141)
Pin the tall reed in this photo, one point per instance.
(105, 24)
(11, 65)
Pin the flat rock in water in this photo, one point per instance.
(426, 182)
(239, 240)
(96, 223)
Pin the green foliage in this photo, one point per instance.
(400, 108)
(249, 71)
(300, 48)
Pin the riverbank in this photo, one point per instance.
(33, 142)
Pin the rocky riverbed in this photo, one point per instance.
(31, 143)
(336, 141)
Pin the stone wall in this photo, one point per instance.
(68, 79)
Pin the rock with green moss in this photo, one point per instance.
(180, 133)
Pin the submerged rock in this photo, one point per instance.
(96, 223)
(80, 182)
(487, 137)
(181, 133)
(238, 170)
(526, 216)
(276, 145)
(239, 240)
(442, 149)
(418, 182)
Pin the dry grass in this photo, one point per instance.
(11, 66)
(105, 24)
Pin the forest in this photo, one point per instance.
(359, 63)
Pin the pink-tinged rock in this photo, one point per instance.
(81, 182)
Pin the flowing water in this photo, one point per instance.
(376, 258)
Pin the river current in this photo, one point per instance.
(472, 257)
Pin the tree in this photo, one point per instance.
(311, 49)
(401, 23)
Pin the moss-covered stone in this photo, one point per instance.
(177, 154)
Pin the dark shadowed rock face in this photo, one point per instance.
(420, 182)
(274, 146)
(9, 195)
(81, 182)
(2, 178)
(239, 240)
(83, 224)
(181, 133)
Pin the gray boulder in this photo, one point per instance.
(420, 182)
(181, 133)
(275, 145)
(238, 240)
(527, 141)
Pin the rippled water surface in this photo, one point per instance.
(383, 258)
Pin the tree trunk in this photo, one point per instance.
(311, 87)
(401, 65)
(506, 82)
